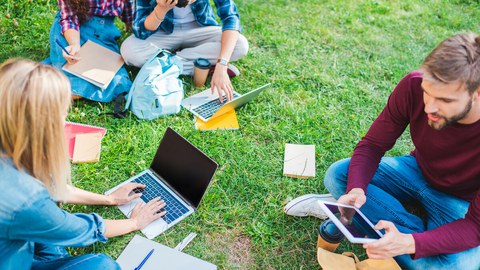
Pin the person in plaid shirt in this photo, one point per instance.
(192, 32)
(78, 21)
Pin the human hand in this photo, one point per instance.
(166, 5)
(392, 244)
(221, 82)
(355, 197)
(142, 215)
(72, 49)
(125, 194)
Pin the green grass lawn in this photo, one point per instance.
(332, 65)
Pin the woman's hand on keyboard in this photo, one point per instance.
(144, 214)
(125, 194)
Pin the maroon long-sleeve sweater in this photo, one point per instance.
(449, 160)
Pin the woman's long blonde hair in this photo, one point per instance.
(34, 101)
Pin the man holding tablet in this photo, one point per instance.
(441, 105)
(351, 222)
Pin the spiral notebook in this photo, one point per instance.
(86, 143)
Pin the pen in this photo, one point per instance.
(144, 260)
(61, 46)
(185, 241)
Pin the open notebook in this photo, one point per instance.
(98, 65)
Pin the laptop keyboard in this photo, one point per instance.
(208, 109)
(153, 189)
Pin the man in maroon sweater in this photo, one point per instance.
(441, 105)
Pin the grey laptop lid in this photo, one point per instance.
(196, 101)
(240, 101)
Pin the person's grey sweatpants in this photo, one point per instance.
(189, 40)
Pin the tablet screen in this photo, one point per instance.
(353, 221)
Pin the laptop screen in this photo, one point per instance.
(183, 166)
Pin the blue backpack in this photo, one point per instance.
(157, 89)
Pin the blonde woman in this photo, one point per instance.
(35, 173)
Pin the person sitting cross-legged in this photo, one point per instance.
(440, 104)
(78, 21)
(192, 32)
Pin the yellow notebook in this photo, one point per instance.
(225, 121)
(98, 65)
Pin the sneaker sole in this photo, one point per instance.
(303, 198)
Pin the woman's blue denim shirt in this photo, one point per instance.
(28, 215)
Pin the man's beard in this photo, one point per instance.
(452, 120)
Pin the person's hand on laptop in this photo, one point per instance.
(144, 214)
(221, 82)
(125, 194)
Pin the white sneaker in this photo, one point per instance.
(307, 205)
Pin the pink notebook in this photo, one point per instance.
(72, 129)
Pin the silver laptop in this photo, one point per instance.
(179, 174)
(206, 105)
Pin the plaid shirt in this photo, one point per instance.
(102, 8)
(202, 10)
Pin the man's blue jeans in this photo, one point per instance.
(54, 257)
(399, 180)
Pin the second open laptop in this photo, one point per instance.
(206, 105)
(179, 174)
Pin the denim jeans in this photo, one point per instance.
(103, 31)
(53, 257)
(399, 180)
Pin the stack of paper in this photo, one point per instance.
(84, 142)
(299, 161)
(225, 121)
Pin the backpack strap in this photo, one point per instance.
(117, 107)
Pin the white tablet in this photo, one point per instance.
(351, 222)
